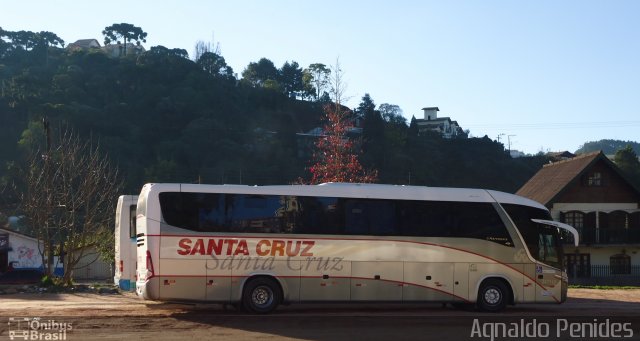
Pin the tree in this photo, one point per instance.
(215, 65)
(335, 158)
(203, 47)
(257, 74)
(291, 79)
(627, 160)
(392, 113)
(373, 129)
(69, 200)
(317, 78)
(366, 106)
(126, 32)
(166, 52)
(47, 39)
(27, 40)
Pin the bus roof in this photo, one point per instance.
(356, 190)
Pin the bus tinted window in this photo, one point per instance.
(319, 215)
(370, 217)
(542, 241)
(453, 219)
(244, 213)
(132, 221)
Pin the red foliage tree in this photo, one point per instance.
(335, 158)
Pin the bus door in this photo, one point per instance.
(529, 287)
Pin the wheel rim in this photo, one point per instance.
(262, 296)
(492, 296)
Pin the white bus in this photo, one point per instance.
(125, 242)
(259, 246)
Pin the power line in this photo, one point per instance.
(554, 125)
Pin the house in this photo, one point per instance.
(443, 125)
(590, 193)
(84, 44)
(112, 50)
(117, 50)
(21, 251)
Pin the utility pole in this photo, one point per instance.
(509, 140)
(499, 135)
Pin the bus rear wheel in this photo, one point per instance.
(261, 295)
(493, 296)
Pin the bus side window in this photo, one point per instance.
(171, 207)
(211, 213)
(356, 221)
(382, 218)
(132, 221)
(370, 217)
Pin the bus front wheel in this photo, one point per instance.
(493, 295)
(261, 295)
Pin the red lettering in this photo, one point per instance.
(277, 247)
(185, 245)
(292, 253)
(308, 245)
(214, 247)
(242, 248)
(259, 249)
(230, 244)
(198, 247)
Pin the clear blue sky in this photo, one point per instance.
(553, 73)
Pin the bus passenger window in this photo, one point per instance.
(356, 219)
(382, 218)
(370, 217)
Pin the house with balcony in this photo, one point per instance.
(441, 125)
(590, 193)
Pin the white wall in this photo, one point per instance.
(24, 252)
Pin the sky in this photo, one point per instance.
(540, 75)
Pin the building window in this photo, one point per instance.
(620, 264)
(594, 179)
(575, 219)
(578, 264)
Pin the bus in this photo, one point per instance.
(125, 243)
(260, 246)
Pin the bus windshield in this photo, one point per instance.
(543, 241)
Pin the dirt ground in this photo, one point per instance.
(125, 316)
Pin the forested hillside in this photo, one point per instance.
(609, 147)
(161, 116)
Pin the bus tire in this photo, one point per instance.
(261, 295)
(493, 295)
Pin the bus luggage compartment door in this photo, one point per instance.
(376, 281)
(184, 280)
(428, 281)
(218, 284)
(325, 279)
